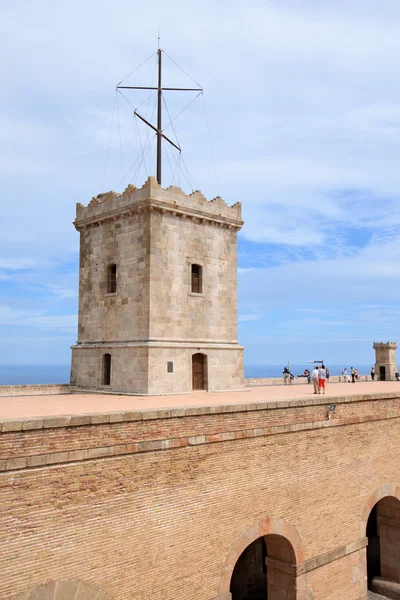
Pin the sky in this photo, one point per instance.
(299, 121)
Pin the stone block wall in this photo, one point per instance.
(34, 389)
(154, 236)
(123, 315)
(175, 312)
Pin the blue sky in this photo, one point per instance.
(303, 106)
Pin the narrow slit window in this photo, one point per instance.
(196, 279)
(107, 369)
(112, 279)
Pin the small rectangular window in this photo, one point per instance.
(196, 279)
(112, 279)
(107, 369)
(170, 367)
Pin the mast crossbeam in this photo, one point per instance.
(158, 129)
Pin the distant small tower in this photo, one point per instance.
(385, 361)
(157, 293)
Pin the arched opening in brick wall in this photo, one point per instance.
(265, 570)
(383, 550)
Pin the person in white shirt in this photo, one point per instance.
(314, 379)
(321, 379)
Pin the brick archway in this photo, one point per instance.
(388, 489)
(262, 528)
(64, 590)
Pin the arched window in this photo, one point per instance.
(107, 369)
(197, 282)
(112, 279)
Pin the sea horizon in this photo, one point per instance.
(48, 374)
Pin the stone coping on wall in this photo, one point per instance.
(32, 389)
(75, 420)
(27, 443)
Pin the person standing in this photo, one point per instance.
(286, 375)
(328, 374)
(314, 379)
(321, 379)
(353, 375)
(373, 373)
(345, 376)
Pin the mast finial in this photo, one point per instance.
(159, 36)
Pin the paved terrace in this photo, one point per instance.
(24, 407)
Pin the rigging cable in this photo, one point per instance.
(182, 111)
(169, 163)
(134, 70)
(188, 178)
(179, 67)
(134, 163)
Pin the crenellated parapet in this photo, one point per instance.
(385, 346)
(152, 197)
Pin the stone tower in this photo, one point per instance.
(157, 293)
(385, 361)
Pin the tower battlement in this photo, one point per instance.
(151, 196)
(385, 345)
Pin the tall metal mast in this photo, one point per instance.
(158, 129)
(159, 119)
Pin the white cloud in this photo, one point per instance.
(304, 112)
(29, 318)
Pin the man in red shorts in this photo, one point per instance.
(321, 379)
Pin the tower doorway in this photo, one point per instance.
(382, 373)
(199, 368)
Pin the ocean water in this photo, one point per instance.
(26, 374)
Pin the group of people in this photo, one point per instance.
(288, 377)
(320, 376)
(354, 374)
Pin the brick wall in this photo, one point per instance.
(151, 504)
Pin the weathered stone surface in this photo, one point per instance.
(154, 236)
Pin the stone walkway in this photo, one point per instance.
(84, 403)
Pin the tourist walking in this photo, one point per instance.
(353, 375)
(345, 375)
(373, 373)
(321, 379)
(314, 379)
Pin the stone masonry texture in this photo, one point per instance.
(160, 504)
(154, 236)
